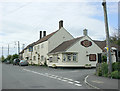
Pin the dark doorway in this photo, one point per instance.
(99, 58)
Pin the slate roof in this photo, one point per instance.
(65, 45)
(39, 41)
(102, 44)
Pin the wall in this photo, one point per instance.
(59, 37)
(82, 58)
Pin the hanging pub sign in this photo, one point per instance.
(86, 43)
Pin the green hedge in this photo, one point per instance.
(116, 66)
(115, 74)
(103, 70)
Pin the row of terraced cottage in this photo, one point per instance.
(61, 49)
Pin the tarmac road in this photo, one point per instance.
(37, 77)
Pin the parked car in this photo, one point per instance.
(16, 61)
(7, 62)
(23, 63)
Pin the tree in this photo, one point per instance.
(115, 37)
(9, 57)
(15, 56)
(2, 58)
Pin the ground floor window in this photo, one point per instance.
(34, 58)
(70, 57)
(42, 58)
(92, 57)
(74, 57)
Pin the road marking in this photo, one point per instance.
(89, 83)
(78, 84)
(71, 81)
(76, 81)
(64, 80)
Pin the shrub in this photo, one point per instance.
(100, 72)
(115, 74)
(116, 66)
(104, 68)
(104, 58)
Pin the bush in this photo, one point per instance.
(104, 58)
(115, 74)
(116, 66)
(100, 72)
(104, 68)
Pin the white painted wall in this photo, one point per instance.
(82, 58)
(59, 37)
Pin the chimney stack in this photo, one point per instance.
(85, 32)
(44, 33)
(40, 34)
(60, 24)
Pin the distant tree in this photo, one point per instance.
(15, 56)
(2, 58)
(115, 37)
(9, 57)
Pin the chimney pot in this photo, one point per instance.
(44, 33)
(60, 24)
(40, 34)
(85, 32)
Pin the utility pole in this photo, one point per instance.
(2, 50)
(18, 47)
(107, 37)
(23, 46)
(8, 49)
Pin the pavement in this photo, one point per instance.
(97, 82)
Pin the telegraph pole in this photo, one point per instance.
(2, 50)
(23, 46)
(18, 47)
(8, 49)
(107, 37)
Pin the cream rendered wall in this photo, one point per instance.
(42, 51)
(59, 37)
(82, 58)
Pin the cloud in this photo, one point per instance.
(23, 21)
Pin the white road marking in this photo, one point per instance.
(76, 81)
(64, 80)
(78, 84)
(71, 81)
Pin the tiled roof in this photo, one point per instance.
(39, 41)
(102, 44)
(65, 45)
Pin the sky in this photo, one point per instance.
(22, 20)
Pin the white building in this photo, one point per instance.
(61, 49)
(78, 52)
(45, 44)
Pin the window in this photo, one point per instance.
(42, 46)
(35, 48)
(92, 57)
(74, 57)
(42, 58)
(38, 46)
(34, 58)
(50, 59)
(64, 57)
(69, 57)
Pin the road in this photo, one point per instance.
(37, 77)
